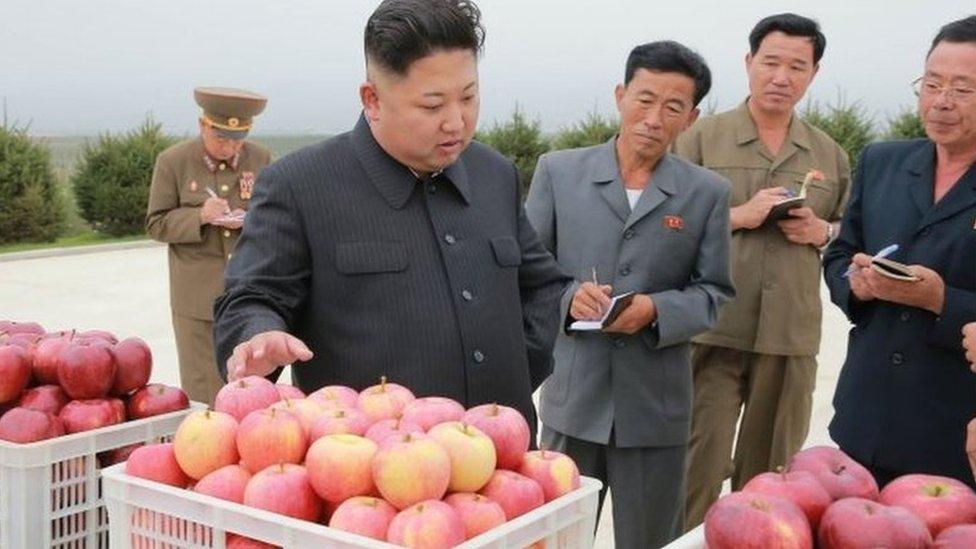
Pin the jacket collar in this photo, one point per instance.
(394, 181)
(747, 132)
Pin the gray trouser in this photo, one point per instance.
(648, 486)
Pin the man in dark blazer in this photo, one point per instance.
(399, 248)
(906, 393)
(637, 219)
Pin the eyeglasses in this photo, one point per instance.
(929, 88)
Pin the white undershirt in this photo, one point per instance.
(633, 195)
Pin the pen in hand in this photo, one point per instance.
(594, 276)
(213, 194)
(880, 255)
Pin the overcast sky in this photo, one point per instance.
(81, 67)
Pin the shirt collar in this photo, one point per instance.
(746, 131)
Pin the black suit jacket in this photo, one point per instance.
(441, 285)
(905, 392)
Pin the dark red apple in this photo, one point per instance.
(800, 487)
(839, 474)
(133, 362)
(118, 408)
(157, 399)
(44, 398)
(86, 370)
(13, 327)
(743, 519)
(15, 372)
(855, 523)
(46, 353)
(85, 415)
(24, 425)
(940, 502)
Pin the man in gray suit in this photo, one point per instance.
(400, 248)
(637, 219)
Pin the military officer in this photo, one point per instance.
(200, 192)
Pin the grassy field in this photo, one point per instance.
(65, 152)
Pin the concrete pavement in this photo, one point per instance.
(125, 290)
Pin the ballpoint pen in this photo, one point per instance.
(213, 194)
(888, 250)
(594, 275)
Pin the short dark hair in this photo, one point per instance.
(670, 56)
(789, 24)
(960, 30)
(400, 32)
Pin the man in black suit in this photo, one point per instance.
(401, 247)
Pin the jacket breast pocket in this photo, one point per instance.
(507, 251)
(353, 258)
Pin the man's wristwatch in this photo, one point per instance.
(830, 235)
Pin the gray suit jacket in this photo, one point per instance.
(673, 246)
(440, 285)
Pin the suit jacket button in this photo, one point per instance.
(905, 316)
(449, 238)
(226, 233)
(478, 356)
(628, 234)
(468, 296)
(619, 343)
(897, 358)
(624, 271)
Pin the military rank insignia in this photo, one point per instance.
(247, 185)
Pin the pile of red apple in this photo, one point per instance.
(419, 472)
(57, 383)
(827, 499)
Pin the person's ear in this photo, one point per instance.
(369, 96)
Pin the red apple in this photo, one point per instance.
(308, 412)
(227, 483)
(961, 536)
(478, 513)
(430, 524)
(133, 361)
(23, 425)
(800, 487)
(241, 397)
(840, 475)
(156, 462)
(85, 415)
(507, 429)
(157, 399)
(340, 467)
(86, 370)
(430, 411)
(745, 519)
(289, 391)
(517, 494)
(270, 436)
(554, 471)
(385, 428)
(854, 523)
(284, 489)
(14, 327)
(339, 421)
(46, 353)
(118, 407)
(205, 441)
(940, 502)
(384, 401)
(411, 469)
(15, 372)
(45, 398)
(92, 335)
(335, 396)
(364, 515)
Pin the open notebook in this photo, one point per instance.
(781, 210)
(617, 304)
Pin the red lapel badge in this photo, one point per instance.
(674, 222)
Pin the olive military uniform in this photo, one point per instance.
(761, 354)
(182, 181)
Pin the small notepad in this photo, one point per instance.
(617, 304)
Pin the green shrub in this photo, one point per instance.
(847, 123)
(906, 125)
(31, 207)
(592, 130)
(112, 178)
(520, 140)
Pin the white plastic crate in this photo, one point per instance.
(51, 493)
(148, 514)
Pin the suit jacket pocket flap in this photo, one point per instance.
(507, 251)
(371, 257)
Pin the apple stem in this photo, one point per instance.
(494, 409)
(281, 467)
(542, 451)
(340, 413)
(241, 384)
(382, 384)
(782, 472)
